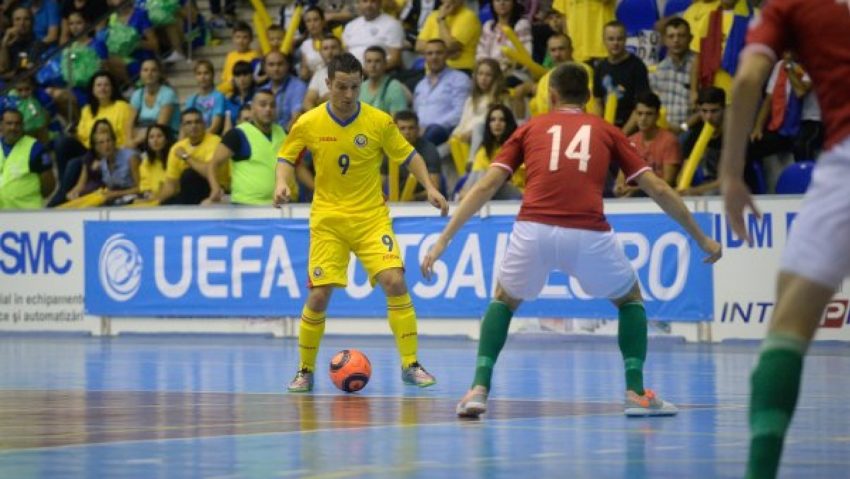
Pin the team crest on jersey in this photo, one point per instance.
(360, 140)
(317, 272)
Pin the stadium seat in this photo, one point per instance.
(673, 7)
(795, 178)
(637, 15)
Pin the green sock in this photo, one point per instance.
(631, 335)
(494, 332)
(775, 386)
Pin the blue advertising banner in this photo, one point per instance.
(240, 268)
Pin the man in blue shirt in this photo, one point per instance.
(439, 97)
(288, 90)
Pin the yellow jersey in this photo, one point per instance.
(347, 156)
(585, 23)
(202, 152)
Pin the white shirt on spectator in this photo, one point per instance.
(360, 34)
(311, 55)
(318, 83)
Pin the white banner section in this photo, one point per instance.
(745, 279)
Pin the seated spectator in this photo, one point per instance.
(488, 88)
(154, 102)
(275, 35)
(439, 97)
(242, 51)
(105, 103)
(243, 92)
(91, 11)
(374, 28)
(209, 101)
(789, 119)
(317, 90)
(20, 50)
(458, 28)
(130, 39)
(408, 124)
(26, 172)
(657, 146)
(560, 51)
(310, 46)
(621, 74)
(251, 150)
(672, 78)
(381, 91)
(158, 142)
(289, 91)
(508, 13)
(70, 97)
(46, 21)
(110, 175)
(36, 118)
(186, 172)
(711, 104)
(500, 125)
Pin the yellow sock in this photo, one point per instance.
(309, 336)
(402, 319)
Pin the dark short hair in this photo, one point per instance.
(712, 94)
(264, 91)
(317, 9)
(376, 49)
(274, 27)
(650, 99)
(190, 111)
(331, 36)
(242, 26)
(677, 22)
(570, 81)
(242, 68)
(406, 115)
(560, 35)
(344, 63)
(616, 24)
(14, 112)
(437, 40)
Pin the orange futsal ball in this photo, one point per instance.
(350, 370)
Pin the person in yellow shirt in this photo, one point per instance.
(586, 19)
(560, 48)
(458, 27)
(348, 140)
(158, 142)
(499, 126)
(185, 175)
(242, 52)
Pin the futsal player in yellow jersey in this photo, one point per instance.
(348, 140)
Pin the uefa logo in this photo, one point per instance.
(120, 268)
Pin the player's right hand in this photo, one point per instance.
(432, 256)
(736, 198)
(281, 195)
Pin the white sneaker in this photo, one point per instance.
(174, 57)
(647, 405)
(473, 404)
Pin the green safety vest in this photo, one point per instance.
(253, 180)
(19, 187)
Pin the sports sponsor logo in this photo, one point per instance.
(44, 252)
(360, 140)
(120, 268)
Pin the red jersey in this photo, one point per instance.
(567, 154)
(817, 30)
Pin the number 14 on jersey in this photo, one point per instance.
(578, 148)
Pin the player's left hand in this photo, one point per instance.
(737, 198)
(432, 256)
(438, 201)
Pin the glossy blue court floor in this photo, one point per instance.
(214, 407)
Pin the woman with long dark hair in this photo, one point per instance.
(499, 126)
(158, 142)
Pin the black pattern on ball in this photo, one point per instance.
(355, 382)
(337, 365)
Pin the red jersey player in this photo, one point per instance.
(561, 226)
(816, 259)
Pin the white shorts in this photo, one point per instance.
(818, 245)
(594, 258)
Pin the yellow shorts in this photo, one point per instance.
(333, 238)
